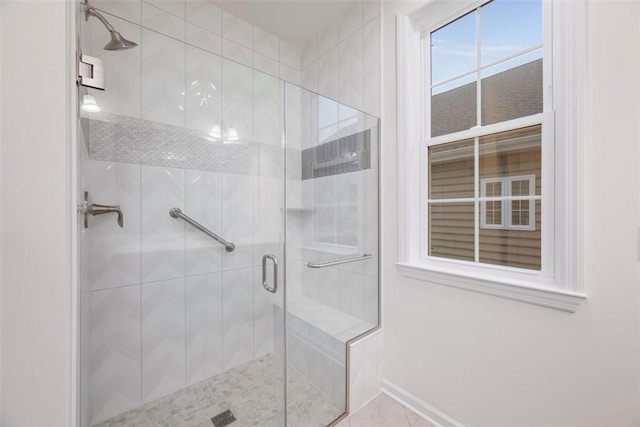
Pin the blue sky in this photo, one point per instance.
(507, 27)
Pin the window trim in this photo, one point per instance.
(564, 290)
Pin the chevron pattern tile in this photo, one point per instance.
(115, 352)
(204, 204)
(113, 253)
(237, 311)
(204, 326)
(163, 338)
(163, 244)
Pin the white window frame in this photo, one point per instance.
(559, 285)
(506, 199)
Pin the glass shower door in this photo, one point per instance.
(332, 249)
(181, 244)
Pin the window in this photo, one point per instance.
(481, 146)
(343, 149)
(484, 133)
(507, 203)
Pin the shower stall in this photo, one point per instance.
(228, 235)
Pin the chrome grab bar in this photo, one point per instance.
(338, 261)
(177, 213)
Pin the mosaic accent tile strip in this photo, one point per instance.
(127, 140)
(348, 154)
(252, 391)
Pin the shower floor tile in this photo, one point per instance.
(254, 393)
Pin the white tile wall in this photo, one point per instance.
(237, 52)
(371, 222)
(267, 109)
(163, 338)
(365, 371)
(263, 321)
(372, 67)
(328, 287)
(295, 100)
(339, 373)
(370, 299)
(204, 91)
(174, 7)
(310, 77)
(298, 344)
(163, 255)
(370, 10)
(163, 79)
(289, 74)
(294, 278)
(351, 293)
(309, 109)
(203, 39)
(162, 21)
(328, 73)
(237, 321)
(265, 64)
(125, 9)
(290, 55)
(113, 253)
(237, 81)
(309, 53)
(115, 352)
(347, 54)
(320, 371)
(350, 22)
(268, 216)
(203, 326)
(205, 15)
(204, 202)
(350, 77)
(266, 44)
(328, 38)
(122, 72)
(237, 219)
(237, 30)
(204, 25)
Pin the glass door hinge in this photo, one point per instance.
(90, 72)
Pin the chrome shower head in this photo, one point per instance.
(117, 41)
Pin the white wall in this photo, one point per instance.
(35, 215)
(1, 7)
(489, 361)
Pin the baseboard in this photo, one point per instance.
(426, 411)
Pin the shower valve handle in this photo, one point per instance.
(96, 209)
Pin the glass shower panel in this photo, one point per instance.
(332, 248)
(178, 324)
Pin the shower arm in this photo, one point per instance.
(91, 11)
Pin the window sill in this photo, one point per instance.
(545, 297)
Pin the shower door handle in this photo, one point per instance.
(275, 273)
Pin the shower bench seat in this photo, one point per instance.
(317, 337)
(325, 319)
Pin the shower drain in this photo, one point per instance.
(223, 418)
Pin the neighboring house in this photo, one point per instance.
(509, 165)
